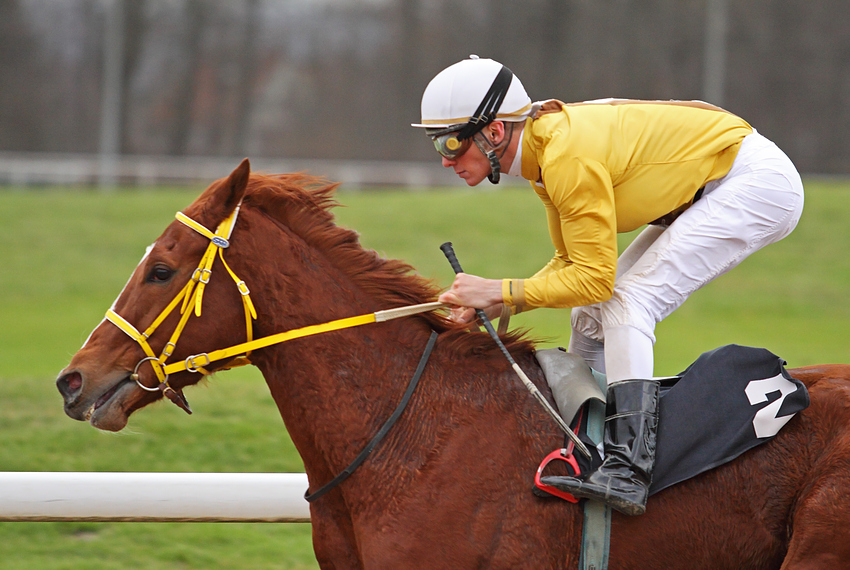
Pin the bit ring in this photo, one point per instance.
(135, 375)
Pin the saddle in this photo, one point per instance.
(571, 380)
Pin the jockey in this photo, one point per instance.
(708, 187)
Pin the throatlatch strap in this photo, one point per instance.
(384, 429)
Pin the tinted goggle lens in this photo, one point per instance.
(450, 146)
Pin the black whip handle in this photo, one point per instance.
(449, 252)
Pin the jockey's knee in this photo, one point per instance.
(624, 311)
(587, 321)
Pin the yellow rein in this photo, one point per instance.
(192, 296)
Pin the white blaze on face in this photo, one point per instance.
(112, 307)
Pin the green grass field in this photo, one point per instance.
(68, 252)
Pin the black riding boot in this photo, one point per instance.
(622, 481)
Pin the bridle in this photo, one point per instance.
(190, 297)
(190, 300)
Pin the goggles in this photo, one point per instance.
(449, 145)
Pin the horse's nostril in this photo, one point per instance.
(70, 384)
(75, 382)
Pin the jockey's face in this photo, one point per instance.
(470, 163)
(472, 166)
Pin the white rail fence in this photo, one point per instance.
(153, 497)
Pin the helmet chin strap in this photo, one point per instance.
(488, 150)
(490, 153)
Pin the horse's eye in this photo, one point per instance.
(160, 274)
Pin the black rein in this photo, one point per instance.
(384, 429)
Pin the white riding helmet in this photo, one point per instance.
(463, 90)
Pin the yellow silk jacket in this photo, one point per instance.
(610, 166)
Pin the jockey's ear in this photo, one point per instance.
(222, 197)
(495, 133)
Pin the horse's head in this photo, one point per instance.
(186, 309)
(121, 368)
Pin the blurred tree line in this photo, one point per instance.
(343, 78)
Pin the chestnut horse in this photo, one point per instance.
(450, 485)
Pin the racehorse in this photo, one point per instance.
(450, 486)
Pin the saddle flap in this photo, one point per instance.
(571, 380)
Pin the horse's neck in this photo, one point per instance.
(335, 390)
(332, 383)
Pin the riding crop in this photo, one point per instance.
(448, 250)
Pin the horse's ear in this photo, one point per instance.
(235, 186)
(222, 197)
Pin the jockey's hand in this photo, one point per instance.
(469, 292)
(467, 314)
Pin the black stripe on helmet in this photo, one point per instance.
(489, 107)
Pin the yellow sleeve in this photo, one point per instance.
(553, 220)
(579, 202)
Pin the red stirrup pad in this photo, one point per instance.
(564, 455)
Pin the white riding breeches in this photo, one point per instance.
(757, 203)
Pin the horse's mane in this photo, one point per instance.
(304, 204)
